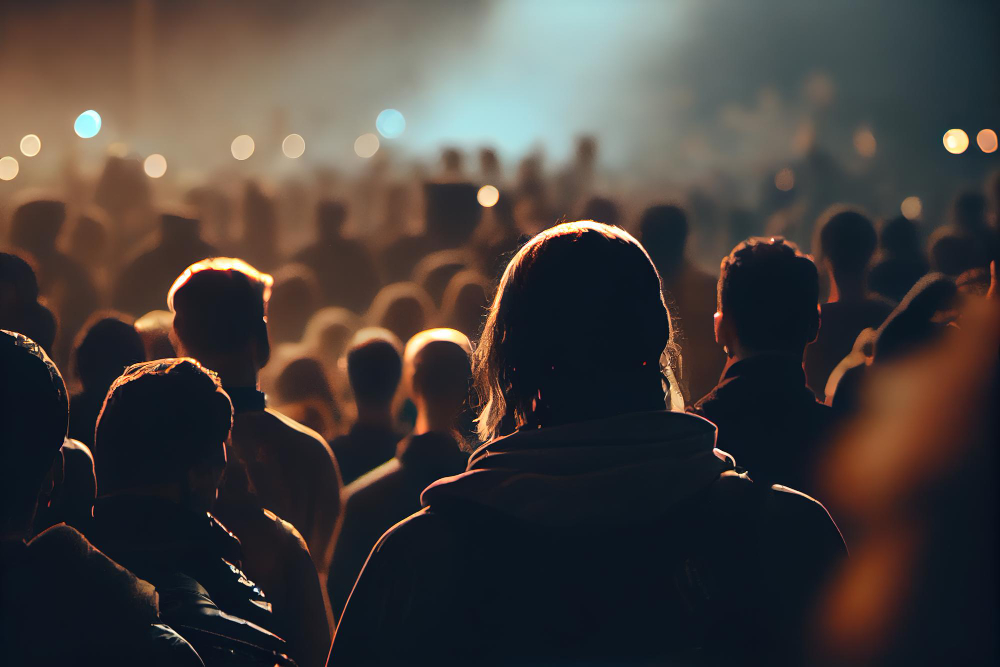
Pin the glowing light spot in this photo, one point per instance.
(8, 168)
(864, 142)
(242, 147)
(366, 145)
(987, 140)
(390, 123)
(87, 124)
(911, 208)
(293, 146)
(30, 145)
(488, 196)
(155, 165)
(956, 141)
(784, 180)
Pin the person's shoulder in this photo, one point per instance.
(291, 430)
(804, 519)
(424, 534)
(58, 541)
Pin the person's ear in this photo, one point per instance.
(717, 325)
(261, 343)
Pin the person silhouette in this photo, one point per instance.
(588, 496)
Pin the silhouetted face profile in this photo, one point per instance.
(34, 414)
(768, 292)
(565, 341)
(164, 424)
(220, 308)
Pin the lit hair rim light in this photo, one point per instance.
(31, 144)
(221, 264)
(155, 165)
(8, 168)
(242, 147)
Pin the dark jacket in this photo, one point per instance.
(363, 448)
(768, 420)
(621, 540)
(384, 496)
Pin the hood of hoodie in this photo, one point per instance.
(629, 468)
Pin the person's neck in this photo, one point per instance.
(745, 355)
(232, 372)
(846, 288)
(374, 415)
(434, 418)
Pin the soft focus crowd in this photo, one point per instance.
(479, 435)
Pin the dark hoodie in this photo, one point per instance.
(620, 540)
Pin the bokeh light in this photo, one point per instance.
(155, 165)
(784, 180)
(911, 208)
(987, 140)
(488, 196)
(390, 123)
(30, 145)
(864, 142)
(293, 146)
(242, 147)
(8, 168)
(87, 124)
(366, 145)
(956, 141)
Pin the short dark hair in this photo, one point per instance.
(219, 304)
(160, 420)
(769, 291)
(847, 239)
(34, 414)
(374, 366)
(106, 345)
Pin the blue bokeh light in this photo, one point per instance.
(87, 124)
(390, 123)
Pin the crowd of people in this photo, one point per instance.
(487, 435)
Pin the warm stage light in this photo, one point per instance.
(87, 124)
(293, 146)
(30, 145)
(366, 145)
(987, 140)
(242, 147)
(864, 142)
(911, 208)
(488, 196)
(155, 165)
(784, 180)
(390, 123)
(8, 168)
(956, 141)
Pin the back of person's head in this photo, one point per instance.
(968, 211)
(899, 237)
(564, 342)
(466, 302)
(303, 378)
(601, 209)
(179, 226)
(767, 296)
(920, 318)
(663, 230)
(847, 240)
(331, 215)
(402, 308)
(36, 225)
(951, 253)
(20, 309)
(451, 212)
(106, 345)
(34, 415)
(374, 366)
(164, 423)
(154, 328)
(438, 366)
(434, 271)
(294, 298)
(451, 159)
(89, 238)
(329, 331)
(220, 307)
